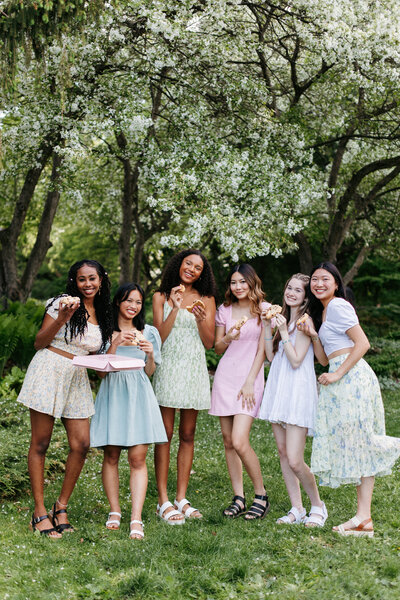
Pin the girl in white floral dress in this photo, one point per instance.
(181, 381)
(76, 323)
(350, 445)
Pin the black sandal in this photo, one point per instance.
(235, 510)
(36, 520)
(60, 527)
(257, 510)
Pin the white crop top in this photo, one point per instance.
(340, 316)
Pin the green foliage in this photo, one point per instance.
(212, 359)
(10, 386)
(19, 325)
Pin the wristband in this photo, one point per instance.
(226, 343)
(268, 339)
(315, 339)
(285, 342)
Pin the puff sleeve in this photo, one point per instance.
(220, 316)
(342, 314)
(153, 336)
(52, 309)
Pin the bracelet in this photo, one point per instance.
(226, 343)
(315, 339)
(268, 339)
(285, 342)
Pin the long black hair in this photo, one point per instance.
(315, 306)
(122, 294)
(77, 325)
(205, 285)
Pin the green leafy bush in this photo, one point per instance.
(19, 325)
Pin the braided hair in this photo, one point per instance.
(122, 294)
(286, 310)
(256, 294)
(315, 306)
(77, 325)
(205, 284)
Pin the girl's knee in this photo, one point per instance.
(241, 445)
(80, 446)
(40, 446)
(137, 462)
(296, 463)
(187, 436)
(282, 451)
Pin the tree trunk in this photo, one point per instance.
(304, 253)
(42, 243)
(9, 235)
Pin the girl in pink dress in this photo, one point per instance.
(238, 384)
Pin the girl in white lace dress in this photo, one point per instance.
(290, 400)
(76, 323)
(181, 381)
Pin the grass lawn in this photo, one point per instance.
(212, 559)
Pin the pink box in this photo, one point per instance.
(108, 362)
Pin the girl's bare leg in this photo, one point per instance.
(41, 432)
(289, 476)
(110, 477)
(233, 461)
(187, 428)
(241, 443)
(162, 458)
(364, 499)
(78, 434)
(138, 482)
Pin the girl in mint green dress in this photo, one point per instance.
(127, 413)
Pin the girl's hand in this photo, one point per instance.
(147, 347)
(308, 328)
(176, 296)
(65, 311)
(199, 313)
(232, 334)
(264, 317)
(327, 378)
(247, 394)
(281, 322)
(122, 337)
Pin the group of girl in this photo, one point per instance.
(346, 420)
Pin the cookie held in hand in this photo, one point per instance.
(196, 303)
(272, 311)
(138, 337)
(240, 322)
(69, 301)
(302, 319)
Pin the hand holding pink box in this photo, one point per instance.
(108, 362)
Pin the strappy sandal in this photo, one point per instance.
(299, 517)
(257, 510)
(189, 512)
(134, 532)
(60, 527)
(166, 516)
(234, 510)
(317, 516)
(116, 522)
(358, 528)
(47, 532)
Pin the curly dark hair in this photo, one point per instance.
(77, 325)
(120, 295)
(256, 294)
(205, 285)
(286, 310)
(315, 306)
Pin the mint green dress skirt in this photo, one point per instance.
(126, 410)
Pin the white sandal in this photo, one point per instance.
(113, 521)
(189, 511)
(358, 528)
(313, 519)
(298, 517)
(167, 516)
(136, 531)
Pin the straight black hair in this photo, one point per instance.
(315, 306)
(122, 294)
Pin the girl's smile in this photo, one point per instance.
(323, 285)
(88, 281)
(295, 293)
(132, 305)
(239, 286)
(191, 268)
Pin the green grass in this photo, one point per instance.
(212, 559)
